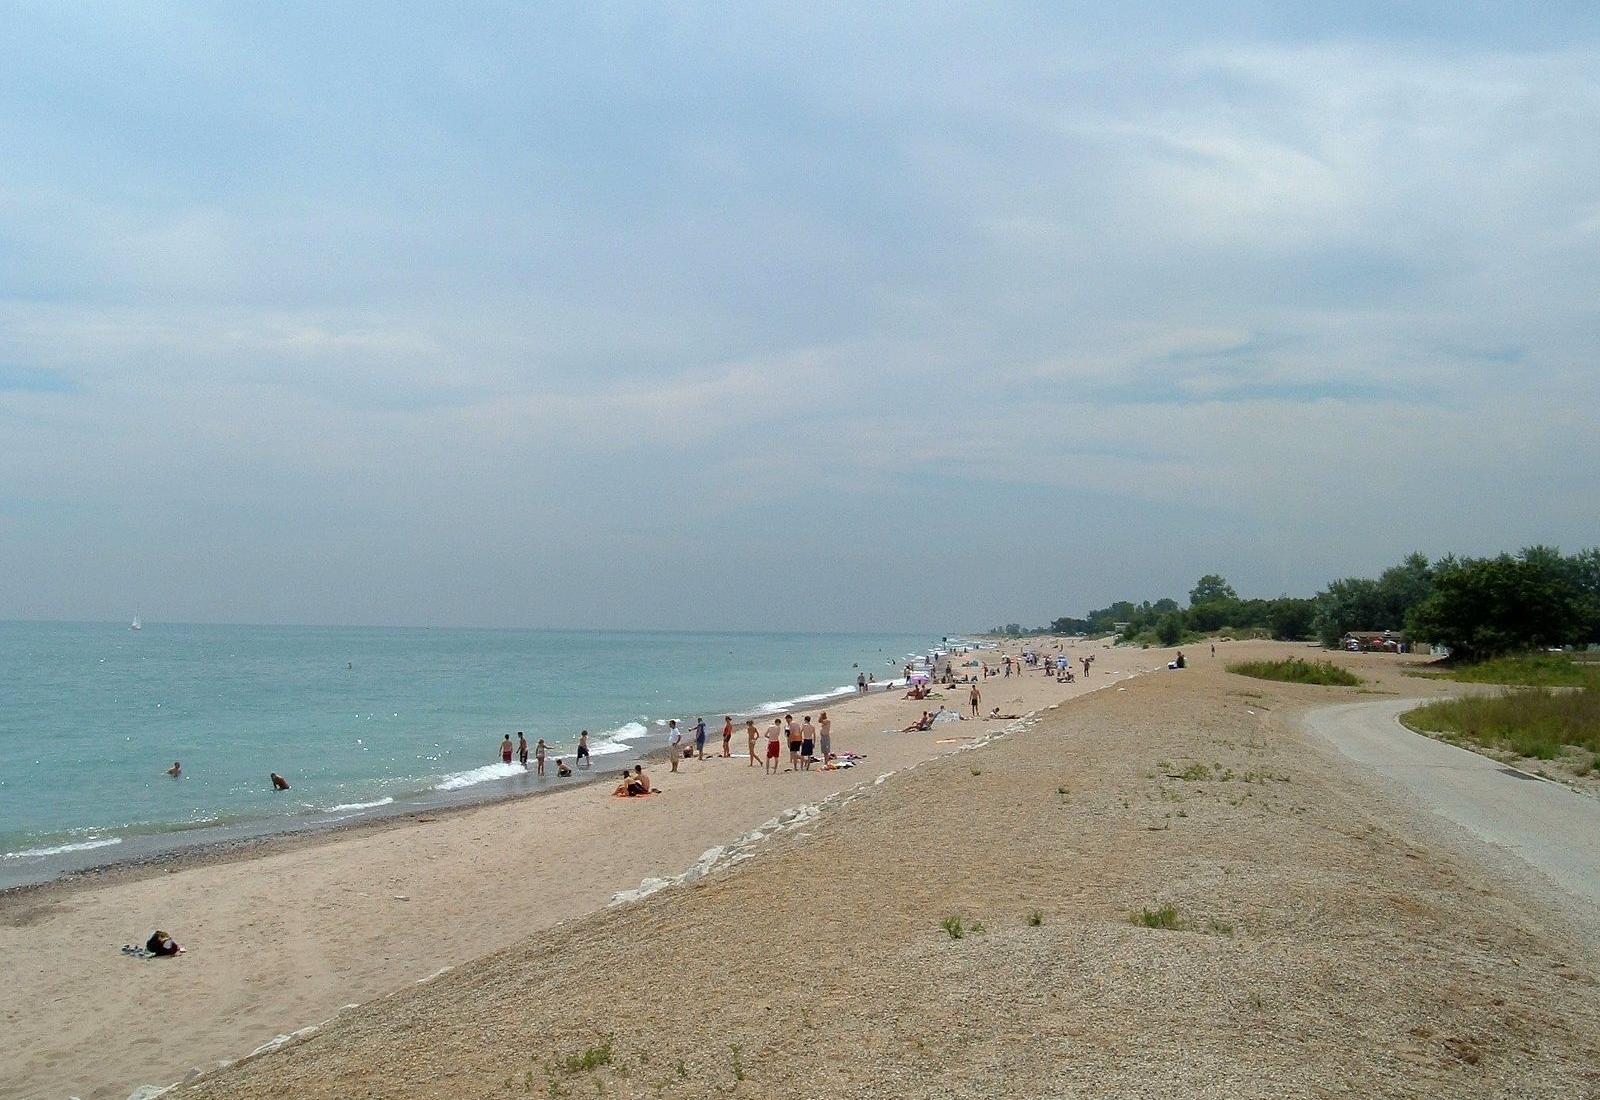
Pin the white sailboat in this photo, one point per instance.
(136, 624)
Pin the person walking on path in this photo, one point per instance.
(674, 742)
(975, 697)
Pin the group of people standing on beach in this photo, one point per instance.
(804, 739)
(540, 751)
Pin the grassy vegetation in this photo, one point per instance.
(591, 1059)
(1295, 671)
(1529, 670)
(1535, 722)
(1165, 917)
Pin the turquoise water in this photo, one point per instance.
(91, 714)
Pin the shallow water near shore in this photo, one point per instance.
(363, 721)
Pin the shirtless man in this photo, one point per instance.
(975, 697)
(279, 783)
(522, 749)
(792, 732)
(774, 737)
(808, 743)
(176, 769)
(642, 778)
(751, 733)
(727, 735)
(506, 750)
(583, 749)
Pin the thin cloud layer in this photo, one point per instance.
(617, 317)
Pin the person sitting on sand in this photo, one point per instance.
(995, 713)
(923, 723)
(162, 945)
(176, 769)
(279, 783)
(643, 779)
(562, 770)
(626, 787)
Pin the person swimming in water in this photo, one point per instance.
(279, 783)
(176, 769)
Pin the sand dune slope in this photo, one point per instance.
(1326, 944)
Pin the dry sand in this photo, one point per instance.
(285, 934)
(1328, 943)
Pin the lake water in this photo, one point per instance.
(357, 719)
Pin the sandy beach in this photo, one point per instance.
(1323, 939)
(282, 935)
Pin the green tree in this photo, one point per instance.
(1484, 607)
(1169, 631)
(1211, 588)
(1352, 603)
(1290, 618)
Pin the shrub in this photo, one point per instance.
(1295, 671)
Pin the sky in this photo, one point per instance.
(784, 316)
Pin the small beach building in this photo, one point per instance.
(1374, 641)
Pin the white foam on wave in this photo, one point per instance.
(344, 807)
(778, 706)
(628, 731)
(80, 846)
(486, 774)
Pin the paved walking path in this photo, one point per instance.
(1543, 823)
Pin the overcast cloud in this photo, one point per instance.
(620, 316)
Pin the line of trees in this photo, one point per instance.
(1478, 607)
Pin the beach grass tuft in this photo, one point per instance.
(591, 1059)
(953, 927)
(1165, 917)
(1293, 670)
(1035, 918)
(1536, 722)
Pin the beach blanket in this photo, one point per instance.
(646, 794)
